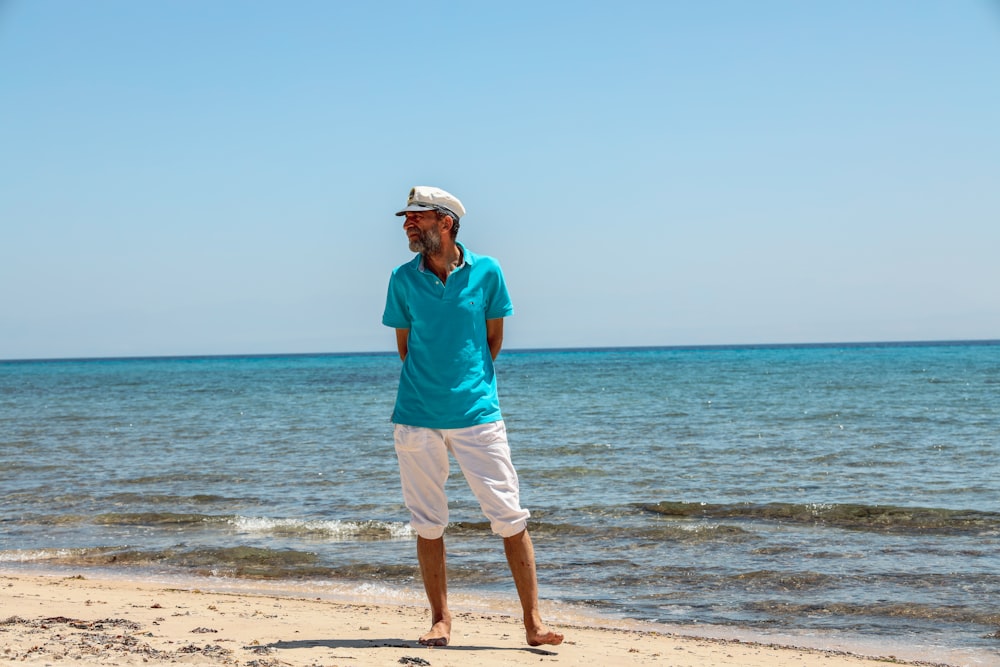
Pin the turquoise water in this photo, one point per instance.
(840, 491)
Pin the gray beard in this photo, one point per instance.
(427, 243)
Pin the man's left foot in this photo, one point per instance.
(544, 636)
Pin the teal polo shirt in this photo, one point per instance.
(447, 379)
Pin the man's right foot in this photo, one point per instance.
(439, 635)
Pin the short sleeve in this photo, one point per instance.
(499, 303)
(395, 314)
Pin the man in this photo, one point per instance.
(447, 306)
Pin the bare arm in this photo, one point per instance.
(402, 336)
(494, 336)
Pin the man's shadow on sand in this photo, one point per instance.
(394, 643)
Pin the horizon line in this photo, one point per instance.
(688, 347)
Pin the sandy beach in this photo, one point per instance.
(81, 620)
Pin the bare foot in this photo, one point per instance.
(542, 635)
(439, 635)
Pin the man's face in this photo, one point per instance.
(423, 230)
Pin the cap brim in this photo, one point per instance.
(416, 207)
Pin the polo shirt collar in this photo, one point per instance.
(467, 258)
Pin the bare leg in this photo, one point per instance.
(521, 558)
(430, 554)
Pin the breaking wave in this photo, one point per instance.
(875, 518)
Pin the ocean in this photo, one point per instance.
(827, 495)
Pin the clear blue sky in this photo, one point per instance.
(187, 177)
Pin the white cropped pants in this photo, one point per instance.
(482, 453)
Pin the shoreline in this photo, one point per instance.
(96, 619)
